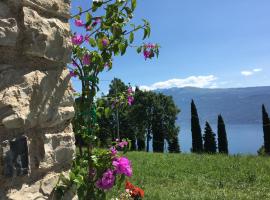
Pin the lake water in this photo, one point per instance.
(242, 138)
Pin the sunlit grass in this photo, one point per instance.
(189, 176)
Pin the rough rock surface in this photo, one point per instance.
(36, 98)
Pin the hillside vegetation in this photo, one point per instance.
(192, 177)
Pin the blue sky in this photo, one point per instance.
(204, 43)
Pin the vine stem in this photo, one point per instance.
(85, 11)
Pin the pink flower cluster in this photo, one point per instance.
(121, 144)
(130, 98)
(121, 166)
(77, 39)
(148, 50)
(113, 151)
(105, 42)
(79, 22)
(107, 180)
(97, 20)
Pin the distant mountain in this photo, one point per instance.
(237, 105)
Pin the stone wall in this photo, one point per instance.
(36, 102)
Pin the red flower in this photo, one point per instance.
(129, 186)
(135, 192)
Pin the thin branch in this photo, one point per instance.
(80, 70)
(124, 6)
(80, 13)
(138, 28)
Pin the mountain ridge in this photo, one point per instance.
(237, 105)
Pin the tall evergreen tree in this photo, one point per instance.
(222, 136)
(266, 130)
(197, 143)
(209, 145)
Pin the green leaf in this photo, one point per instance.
(157, 52)
(115, 50)
(146, 33)
(128, 10)
(88, 17)
(133, 4)
(139, 49)
(131, 37)
(100, 45)
(94, 8)
(149, 31)
(107, 112)
(80, 9)
(72, 176)
(92, 42)
(123, 47)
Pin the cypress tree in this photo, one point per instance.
(197, 143)
(174, 146)
(222, 136)
(209, 145)
(266, 130)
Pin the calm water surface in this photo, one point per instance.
(242, 138)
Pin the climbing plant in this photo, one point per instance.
(106, 31)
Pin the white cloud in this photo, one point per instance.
(257, 70)
(192, 81)
(250, 72)
(247, 73)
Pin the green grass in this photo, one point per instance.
(189, 176)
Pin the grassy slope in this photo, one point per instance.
(188, 176)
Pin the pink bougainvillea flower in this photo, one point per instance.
(122, 166)
(113, 151)
(150, 46)
(87, 37)
(123, 144)
(107, 180)
(88, 28)
(130, 100)
(146, 54)
(97, 20)
(105, 42)
(79, 22)
(72, 73)
(77, 39)
(86, 59)
(129, 90)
